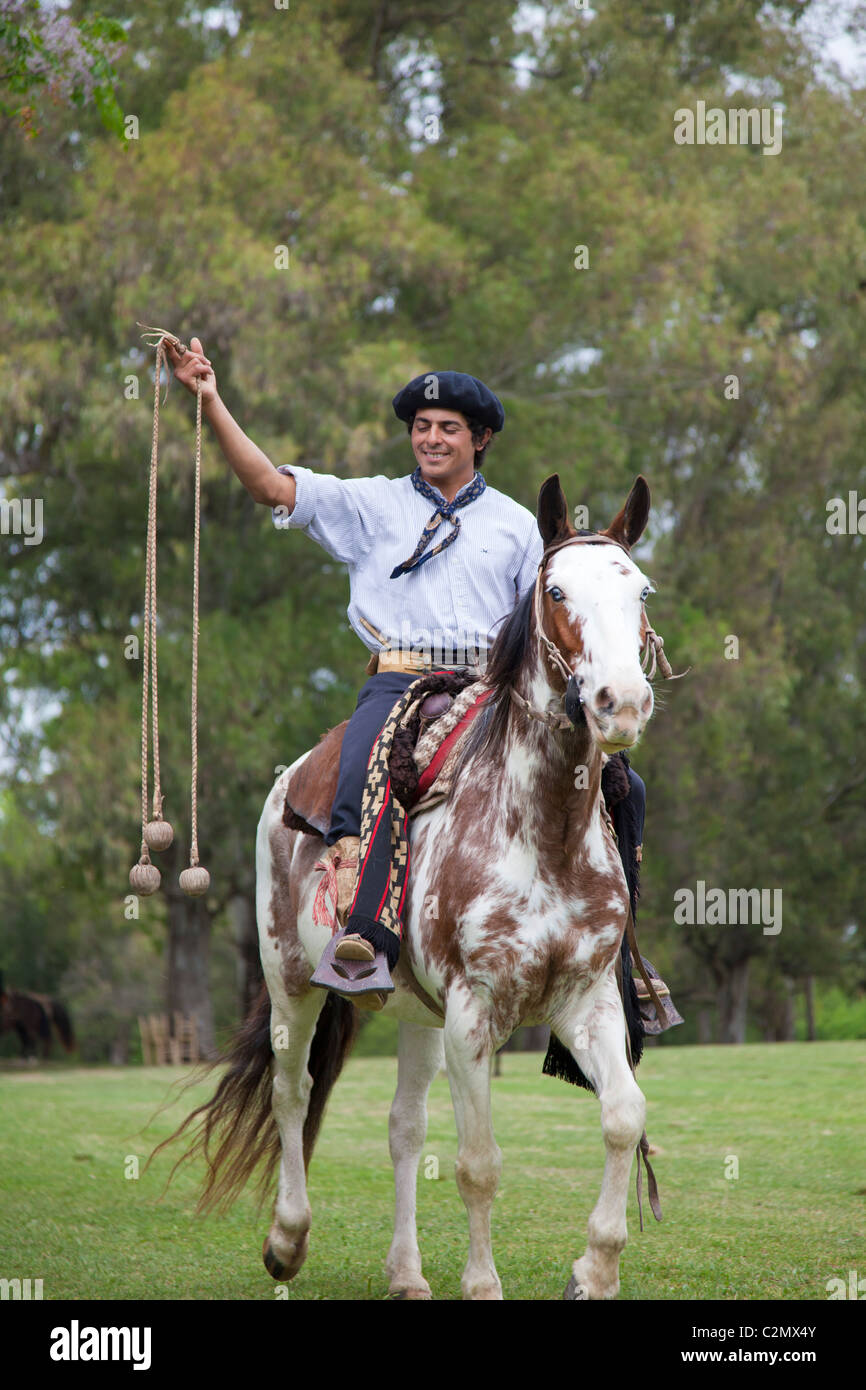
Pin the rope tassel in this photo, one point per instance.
(157, 834)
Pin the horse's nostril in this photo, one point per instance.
(604, 701)
(647, 702)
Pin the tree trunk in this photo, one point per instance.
(189, 927)
(248, 973)
(705, 1025)
(733, 997)
(120, 1045)
(788, 1031)
(810, 1008)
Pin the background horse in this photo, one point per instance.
(32, 1017)
(514, 914)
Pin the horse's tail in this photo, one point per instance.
(239, 1117)
(63, 1023)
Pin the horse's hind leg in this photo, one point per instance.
(596, 1037)
(420, 1057)
(293, 1023)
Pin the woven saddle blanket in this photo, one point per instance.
(437, 713)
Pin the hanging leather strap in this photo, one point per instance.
(642, 1151)
(638, 960)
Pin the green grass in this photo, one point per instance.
(792, 1115)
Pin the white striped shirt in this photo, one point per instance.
(454, 601)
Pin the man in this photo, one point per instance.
(436, 560)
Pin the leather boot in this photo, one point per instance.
(344, 855)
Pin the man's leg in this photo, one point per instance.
(376, 699)
(637, 799)
(631, 846)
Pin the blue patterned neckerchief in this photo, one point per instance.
(445, 511)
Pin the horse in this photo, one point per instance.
(514, 914)
(32, 1016)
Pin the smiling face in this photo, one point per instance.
(443, 446)
(592, 609)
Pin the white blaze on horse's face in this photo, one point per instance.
(597, 625)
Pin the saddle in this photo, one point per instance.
(423, 755)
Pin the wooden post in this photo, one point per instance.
(146, 1045)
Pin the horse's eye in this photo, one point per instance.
(556, 594)
(645, 593)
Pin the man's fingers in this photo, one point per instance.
(195, 344)
(192, 363)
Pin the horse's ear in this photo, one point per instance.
(628, 525)
(552, 512)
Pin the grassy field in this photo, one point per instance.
(795, 1216)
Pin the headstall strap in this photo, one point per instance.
(554, 719)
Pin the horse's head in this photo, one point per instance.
(590, 611)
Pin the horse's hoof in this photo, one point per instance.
(288, 1267)
(272, 1264)
(574, 1292)
(416, 1295)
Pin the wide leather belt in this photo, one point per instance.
(418, 663)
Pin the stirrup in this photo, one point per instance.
(354, 979)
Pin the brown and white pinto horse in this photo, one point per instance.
(514, 915)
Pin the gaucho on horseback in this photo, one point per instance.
(437, 559)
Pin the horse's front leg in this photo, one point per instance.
(596, 1037)
(469, 1052)
(419, 1058)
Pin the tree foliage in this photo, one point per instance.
(430, 173)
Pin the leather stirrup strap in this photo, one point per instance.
(638, 960)
(642, 1150)
(652, 1185)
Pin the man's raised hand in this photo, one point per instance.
(191, 365)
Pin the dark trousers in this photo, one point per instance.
(375, 701)
(377, 697)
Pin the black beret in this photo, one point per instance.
(450, 391)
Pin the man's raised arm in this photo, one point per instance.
(255, 470)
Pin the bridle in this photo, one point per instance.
(652, 647)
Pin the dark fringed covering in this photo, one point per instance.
(616, 787)
(404, 771)
(560, 1063)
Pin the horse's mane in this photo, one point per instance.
(506, 657)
